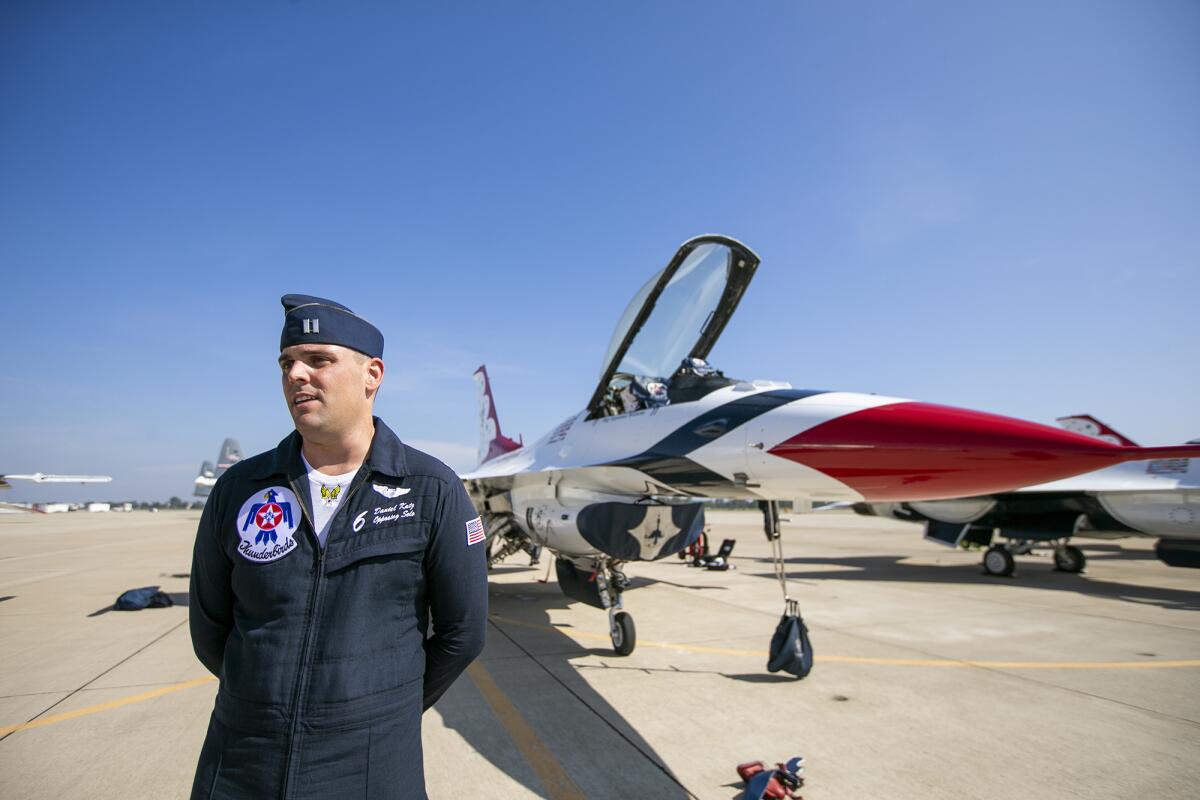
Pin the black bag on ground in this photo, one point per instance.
(145, 597)
(791, 650)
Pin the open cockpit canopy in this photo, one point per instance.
(676, 316)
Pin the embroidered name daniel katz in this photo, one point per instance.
(393, 512)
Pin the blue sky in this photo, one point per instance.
(986, 205)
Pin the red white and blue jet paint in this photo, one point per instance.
(663, 429)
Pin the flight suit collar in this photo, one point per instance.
(385, 456)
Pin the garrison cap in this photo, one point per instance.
(315, 320)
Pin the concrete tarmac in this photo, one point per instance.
(932, 680)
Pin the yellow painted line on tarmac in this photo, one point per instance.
(540, 758)
(554, 778)
(946, 662)
(939, 663)
(111, 704)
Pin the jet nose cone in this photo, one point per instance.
(921, 451)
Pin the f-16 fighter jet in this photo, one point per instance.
(622, 480)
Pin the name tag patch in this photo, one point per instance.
(266, 525)
(391, 513)
(381, 515)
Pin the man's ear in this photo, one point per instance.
(374, 374)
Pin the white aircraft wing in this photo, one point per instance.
(1152, 475)
(41, 477)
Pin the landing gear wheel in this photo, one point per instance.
(1069, 558)
(998, 561)
(623, 633)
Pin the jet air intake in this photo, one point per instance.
(622, 531)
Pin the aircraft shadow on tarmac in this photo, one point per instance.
(1037, 574)
(521, 617)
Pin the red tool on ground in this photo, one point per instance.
(780, 783)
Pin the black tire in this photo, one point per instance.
(1069, 558)
(998, 561)
(624, 637)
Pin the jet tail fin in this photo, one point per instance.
(492, 442)
(1090, 426)
(205, 480)
(231, 453)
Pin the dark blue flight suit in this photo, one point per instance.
(324, 655)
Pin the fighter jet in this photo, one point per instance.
(230, 454)
(1159, 498)
(623, 479)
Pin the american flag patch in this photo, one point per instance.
(475, 532)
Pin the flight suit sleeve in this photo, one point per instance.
(210, 593)
(456, 587)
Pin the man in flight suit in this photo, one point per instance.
(338, 586)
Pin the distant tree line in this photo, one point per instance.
(174, 504)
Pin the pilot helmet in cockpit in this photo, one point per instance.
(698, 366)
(643, 393)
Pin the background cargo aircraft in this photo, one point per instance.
(1158, 498)
(621, 480)
(230, 454)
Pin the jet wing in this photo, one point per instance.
(1159, 474)
(1151, 475)
(39, 477)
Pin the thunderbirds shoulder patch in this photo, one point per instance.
(266, 525)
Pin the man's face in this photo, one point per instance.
(329, 389)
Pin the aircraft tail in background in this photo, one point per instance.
(492, 442)
(231, 453)
(1090, 426)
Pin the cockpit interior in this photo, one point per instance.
(658, 353)
(694, 379)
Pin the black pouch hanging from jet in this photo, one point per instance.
(145, 597)
(791, 651)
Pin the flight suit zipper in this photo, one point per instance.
(318, 570)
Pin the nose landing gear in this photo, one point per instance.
(599, 582)
(621, 629)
